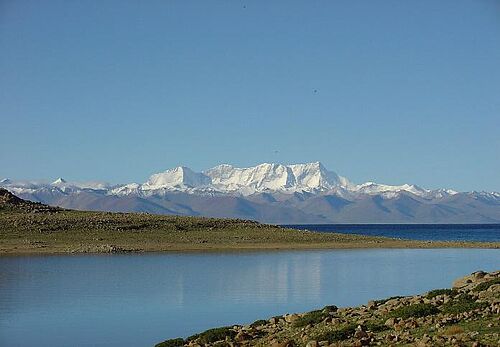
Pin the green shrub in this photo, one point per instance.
(375, 326)
(338, 334)
(463, 303)
(415, 310)
(383, 301)
(330, 308)
(313, 317)
(171, 343)
(258, 323)
(485, 285)
(213, 335)
(436, 292)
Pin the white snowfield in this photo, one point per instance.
(227, 179)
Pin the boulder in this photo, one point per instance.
(290, 318)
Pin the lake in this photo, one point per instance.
(139, 300)
(432, 232)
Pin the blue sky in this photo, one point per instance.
(386, 91)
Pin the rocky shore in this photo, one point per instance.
(466, 315)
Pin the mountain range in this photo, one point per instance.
(271, 193)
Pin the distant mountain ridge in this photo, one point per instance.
(269, 192)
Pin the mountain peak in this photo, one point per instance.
(273, 177)
(181, 177)
(60, 180)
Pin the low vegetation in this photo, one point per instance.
(485, 285)
(463, 303)
(213, 335)
(383, 301)
(27, 228)
(171, 343)
(258, 323)
(338, 334)
(312, 317)
(437, 292)
(415, 310)
(462, 316)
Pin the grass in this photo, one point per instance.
(453, 330)
(437, 292)
(78, 231)
(338, 334)
(415, 310)
(315, 317)
(375, 326)
(383, 301)
(171, 343)
(213, 335)
(485, 285)
(98, 232)
(30, 228)
(463, 303)
(259, 323)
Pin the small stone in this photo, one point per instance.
(283, 344)
(390, 322)
(360, 334)
(312, 343)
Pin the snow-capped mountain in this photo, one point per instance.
(177, 178)
(312, 177)
(298, 193)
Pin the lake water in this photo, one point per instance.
(138, 300)
(434, 232)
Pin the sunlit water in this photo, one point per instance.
(138, 300)
(434, 232)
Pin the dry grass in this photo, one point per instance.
(102, 232)
(453, 330)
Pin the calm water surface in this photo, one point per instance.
(138, 300)
(433, 232)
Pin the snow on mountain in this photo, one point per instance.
(59, 184)
(374, 188)
(59, 181)
(316, 176)
(274, 177)
(127, 189)
(227, 179)
(253, 179)
(274, 193)
(179, 177)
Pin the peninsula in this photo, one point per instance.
(33, 228)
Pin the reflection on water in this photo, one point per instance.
(137, 300)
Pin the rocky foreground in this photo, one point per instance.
(466, 315)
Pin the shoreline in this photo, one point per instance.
(103, 249)
(28, 228)
(465, 315)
